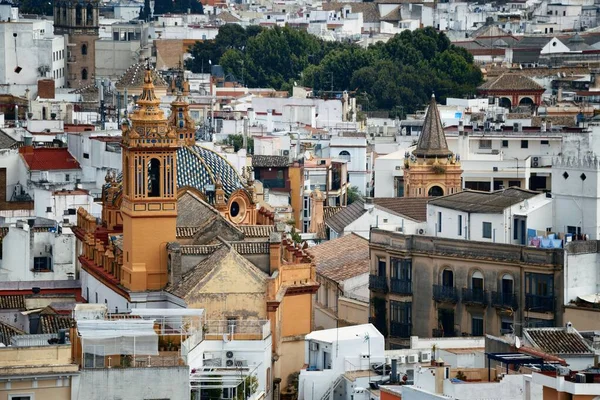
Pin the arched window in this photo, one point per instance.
(477, 281)
(435, 191)
(78, 14)
(84, 49)
(154, 178)
(127, 183)
(84, 74)
(64, 13)
(448, 278)
(507, 284)
(344, 155)
(89, 17)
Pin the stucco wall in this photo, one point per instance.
(583, 319)
(135, 383)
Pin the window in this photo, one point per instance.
(514, 183)
(96, 297)
(505, 143)
(42, 264)
(84, 49)
(539, 284)
(345, 155)
(400, 312)
(154, 178)
(67, 177)
(460, 227)
(485, 144)
(448, 278)
(545, 142)
(84, 74)
(381, 264)
(477, 325)
(93, 356)
(487, 230)
(506, 326)
(401, 269)
(48, 209)
(439, 221)
(20, 397)
(232, 322)
(524, 144)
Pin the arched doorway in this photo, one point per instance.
(505, 102)
(526, 102)
(435, 191)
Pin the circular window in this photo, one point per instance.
(234, 209)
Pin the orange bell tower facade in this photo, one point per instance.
(149, 207)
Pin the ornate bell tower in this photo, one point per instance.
(78, 21)
(149, 206)
(180, 119)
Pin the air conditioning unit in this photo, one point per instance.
(535, 164)
(412, 358)
(285, 153)
(229, 354)
(536, 159)
(495, 169)
(398, 167)
(421, 231)
(580, 378)
(401, 359)
(241, 363)
(399, 229)
(425, 356)
(48, 248)
(229, 363)
(314, 346)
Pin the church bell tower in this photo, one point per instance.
(149, 206)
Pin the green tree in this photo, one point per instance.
(145, 11)
(248, 388)
(39, 7)
(237, 141)
(353, 194)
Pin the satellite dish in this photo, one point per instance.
(517, 342)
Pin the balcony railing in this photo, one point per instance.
(475, 297)
(446, 294)
(378, 283)
(400, 286)
(399, 329)
(442, 333)
(273, 183)
(505, 300)
(537, 303)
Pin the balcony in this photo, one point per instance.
(445, 294)
(440, 333)
(505, 300)
(400, 329)
(273, 183)
(401, 287)
(71, 59)
(378, 283)
(537, 303)
(475, 297)
(379, 323)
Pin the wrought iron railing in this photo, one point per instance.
(505, 300)
(378, 283)
(448, 294)
(475, 296)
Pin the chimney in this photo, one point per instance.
(174, 262)
(269, 121)
(368, 204)
(46, 88)
(274, 252)
(317, 213)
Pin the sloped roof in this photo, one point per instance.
(226, 16)
(270, 161)
(219, 258)
(489, 31)
(256, 231)
(12, 302)
(370, 11)
(330, 211)
(432, 140)
(52, 323)
(510, 82)
(341, 259)
(393, 16)
(6, 142)
(411, 207)
(7, 332)
(134, 77)
(340, 220)
(483, 202)
(47, 159)
(557, 340)
(577, 43)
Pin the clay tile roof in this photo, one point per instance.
(340, 220)
(7, 332)
(256, 231)
(52, 323)
(412, 207)
(370, 11)
(12, 302)
(432, 140)
(227, 17)
(510, 82)
(6, 142)
(341, 259)
(270, 161)
(134, 77)
(557, 340)
(330, 211)
(45, 159)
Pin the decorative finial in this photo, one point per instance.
(432, 95)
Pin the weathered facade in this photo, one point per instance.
(78, 21)
(429, 286)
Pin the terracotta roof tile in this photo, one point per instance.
(510, 82)
(340, 220)
(411, 207)
(370, 11)
(12, 302)
(558, 341)
(7, 332)
(46, 159)
(483, 202)
(270, 161)
(256, 231)
(52, 323)
(341, 259)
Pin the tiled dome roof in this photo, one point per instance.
(198, 167)
(134, 77)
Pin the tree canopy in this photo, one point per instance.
(39, 7)
(399, 75)
(177, 6)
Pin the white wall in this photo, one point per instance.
(105, 295)
(581, 275)
(382, 219)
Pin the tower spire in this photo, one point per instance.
(432, 141)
